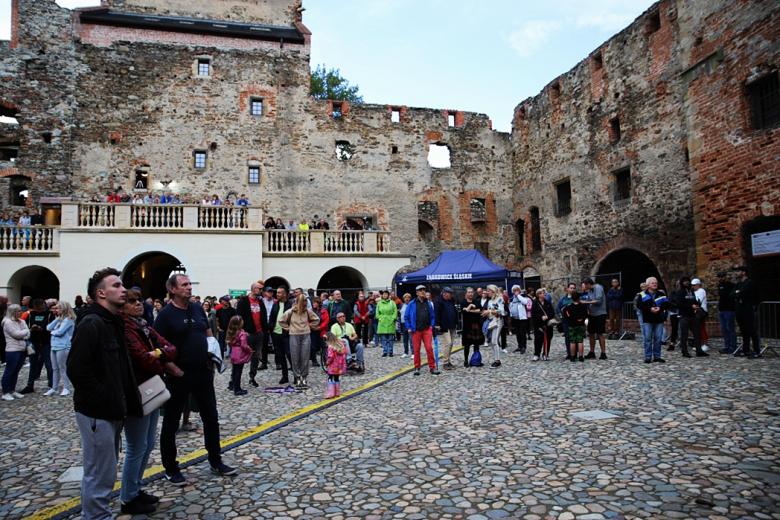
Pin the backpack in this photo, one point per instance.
(476, 358)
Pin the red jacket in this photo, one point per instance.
(324, 321)
(362, 312)
(141, 347)
(240, 351)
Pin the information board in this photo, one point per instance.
(767, 243)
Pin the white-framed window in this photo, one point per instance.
(256, 106)
(204, 67)
(254, 175)
(200, 159)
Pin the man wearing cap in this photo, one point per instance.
(446, 324)
(419, 320)
(745, 296)
(726, 314)
(224, 313)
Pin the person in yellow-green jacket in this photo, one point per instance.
(387, 314)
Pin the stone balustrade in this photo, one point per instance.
(317, 241)
(29, 239)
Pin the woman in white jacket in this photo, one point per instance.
(16, 336)
(518, 315)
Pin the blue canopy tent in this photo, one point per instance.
(468, 267)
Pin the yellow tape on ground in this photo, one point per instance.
(50, 512)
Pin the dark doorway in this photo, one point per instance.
(764, 270)
(38, 282)
(346, 279)
(150, 272)
(276, 282)
(634, 266)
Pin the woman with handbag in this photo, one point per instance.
(543, 316)
(16, 340)
(300, 321)
(151, 355)
(495, 313)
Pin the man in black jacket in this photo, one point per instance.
(687, 306)
(446, 324)
(104, 389)
(251, 310)
(726, 314)
(279, 336)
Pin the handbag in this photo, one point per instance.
(476, 359)
(493, 324)
(154, 394)
(30, 348)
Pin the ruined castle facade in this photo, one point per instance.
(658, 153)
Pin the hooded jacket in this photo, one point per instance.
(99, 367)
(685, 299)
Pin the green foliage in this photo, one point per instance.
(328, 84)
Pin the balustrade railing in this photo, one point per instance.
(278, 241)
(344, 241)
(383, 242)
(222, 217)
(157, 216)
(97, 215)
(27, 239)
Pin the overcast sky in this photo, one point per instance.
(483, 56)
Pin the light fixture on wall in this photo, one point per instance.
(166, 182)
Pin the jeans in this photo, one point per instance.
(566, 339)
(641, 323)
(14, 361)
(59, 357)
(255, 342)
(406, 341)
(652, 334)
(359, 348)
(728, 329)
(222, 346)
(386, 340)
(199, 383)
(100, 441)
(41, 358)
(281, 352)
(140, 439)
(316, 345)
(425, 337)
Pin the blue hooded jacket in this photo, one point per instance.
(410, 318)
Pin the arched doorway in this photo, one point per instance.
(531, 278)
(150, 271)
(347, 279)
(36, 281)
(635, 267)
(276, 282)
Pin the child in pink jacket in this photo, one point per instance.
(240, 352)
(337, 363)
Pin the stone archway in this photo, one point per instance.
(347, 279)
(150, 271)
(276, 282)
(36, 281)
(633, 265)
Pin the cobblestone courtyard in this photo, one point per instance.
(693, 438)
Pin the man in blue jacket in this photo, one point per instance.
(419, 319)
(446, 324)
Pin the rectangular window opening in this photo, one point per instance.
(653, 22)
(395, 149)
(254, 175)
(395, 116)
(614, 125)
(563, 196)
(204, 67)
(765, 101)
(536, 231)
(555, 91)
(598, 62)
(256, 107)
(9, 151)
(141, 180)
(337, 109)
(451, 120)
(200, 159)
(484, 248)
(623, 185)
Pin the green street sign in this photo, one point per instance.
(237, 293)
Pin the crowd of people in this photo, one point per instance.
(122, 197)
(107, 347)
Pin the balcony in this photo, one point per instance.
(29, 240)
(323, 242)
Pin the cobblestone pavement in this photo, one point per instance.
(692, 438)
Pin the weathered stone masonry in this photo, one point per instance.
(652, 132)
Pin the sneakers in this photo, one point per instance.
(573, 359)
(284, 381)
(466, 364)
(50, 391)
(701, 353)
(659, 360)
(603, 356)
(230, 386)
(545, 358)
(390, 354)
(176, 478)
(136, 507)
(253, 382)
(7, 397)
(240, 392)
(188, 427)
(726, 351)
(518, 350)
(448, 366)
(27, 390)
(536, 358)
(384, 354)
(404, 356)
(223, 469)
(591, 355)
(417, 371)
(581, 359)
(264, 366)
(18, 395)
(686, 354)
(504, 351)
(435, 372)
(146, 498)
(495, 364)
(754, 356)
(648, 361)
(65, 391)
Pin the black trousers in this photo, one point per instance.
(281, 352)
(746, 322)
(540, 336)
(199, 383)
(238, 369)
(255, 342)
(520, 329)
(674, 319)
(692, 325)
(362, 331)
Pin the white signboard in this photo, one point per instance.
(765, 244)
